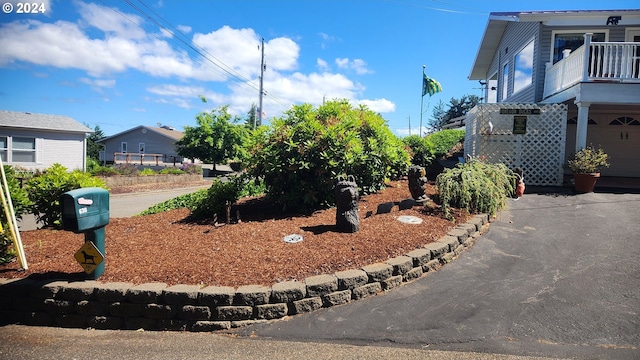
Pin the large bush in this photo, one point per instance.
(476, 186)
(21, 204)
(205, 203)
(443, 140)
(45, 191)
(421, 150)
(301, 155)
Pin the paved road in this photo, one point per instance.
(554, 276)
(126, 205)
(37, 343)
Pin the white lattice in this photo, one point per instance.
(539, 152)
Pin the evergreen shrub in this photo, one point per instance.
(300, 156)
(45, 190)
(476, 186)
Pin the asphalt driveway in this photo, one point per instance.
(556, 275)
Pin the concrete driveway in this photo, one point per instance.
(556, 275)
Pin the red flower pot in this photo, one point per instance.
(585, 183)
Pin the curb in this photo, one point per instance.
(157, 306)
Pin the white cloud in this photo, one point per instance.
(379, 105)
(326, 38)
(176, 90)
(322, 65)
(412, 131)
(103, 43)
(110, 21)
(185, 29)
(98, 84)
(358, 65)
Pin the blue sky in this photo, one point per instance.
(119, 64)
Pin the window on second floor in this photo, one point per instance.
(523, 69)
(123, 147)
(572, 40)
(505, 81)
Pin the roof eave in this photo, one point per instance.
(488, 46)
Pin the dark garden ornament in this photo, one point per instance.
(347, 218)
(417, 181)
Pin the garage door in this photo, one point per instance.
(620, 137)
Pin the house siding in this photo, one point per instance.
(66, 149)
(154, 144)
(516, 36)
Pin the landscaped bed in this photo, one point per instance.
(167, 247)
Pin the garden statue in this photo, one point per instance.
(417, 180)
(347, 218)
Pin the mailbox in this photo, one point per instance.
(85, 209)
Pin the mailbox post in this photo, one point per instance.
(86, 211)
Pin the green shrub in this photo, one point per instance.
(588, 160)
(191, 168)
(189, 201)
(105, 171)
(421, 150)
(198, 202)
(147, 172)
(443, 140)
(475, 186)
(171, 171)
(250, 187)
(45, 190)
(300, 156)
(127, 169)
(21, 204)
(216, 199)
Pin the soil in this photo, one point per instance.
(170, 248)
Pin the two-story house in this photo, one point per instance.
(585, 64)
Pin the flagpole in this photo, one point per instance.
(421, 100)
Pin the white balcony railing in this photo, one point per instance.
(605, 61)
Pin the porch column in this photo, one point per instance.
(586, 56)
(581, 128)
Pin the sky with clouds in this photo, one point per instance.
(118, 64)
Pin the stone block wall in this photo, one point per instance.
(157, 306)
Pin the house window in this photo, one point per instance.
(523, 71)
(3, 148)
(141, 147)
(123, 147)
(492, 89)
(505, 81)
(572, 40)
(23, 149)
(625, 120)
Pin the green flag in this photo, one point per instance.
(430, 86)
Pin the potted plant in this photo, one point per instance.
(586, 165)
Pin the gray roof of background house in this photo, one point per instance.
(26, 120)
(166, 131)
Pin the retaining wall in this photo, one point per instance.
(157, 306)
(119, 181)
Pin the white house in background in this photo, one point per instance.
(143, 145)
(586, 60)
(37, 141)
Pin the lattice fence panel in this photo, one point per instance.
(539, 152)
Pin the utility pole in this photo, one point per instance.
(262, 68)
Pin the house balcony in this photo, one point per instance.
(604, 64)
